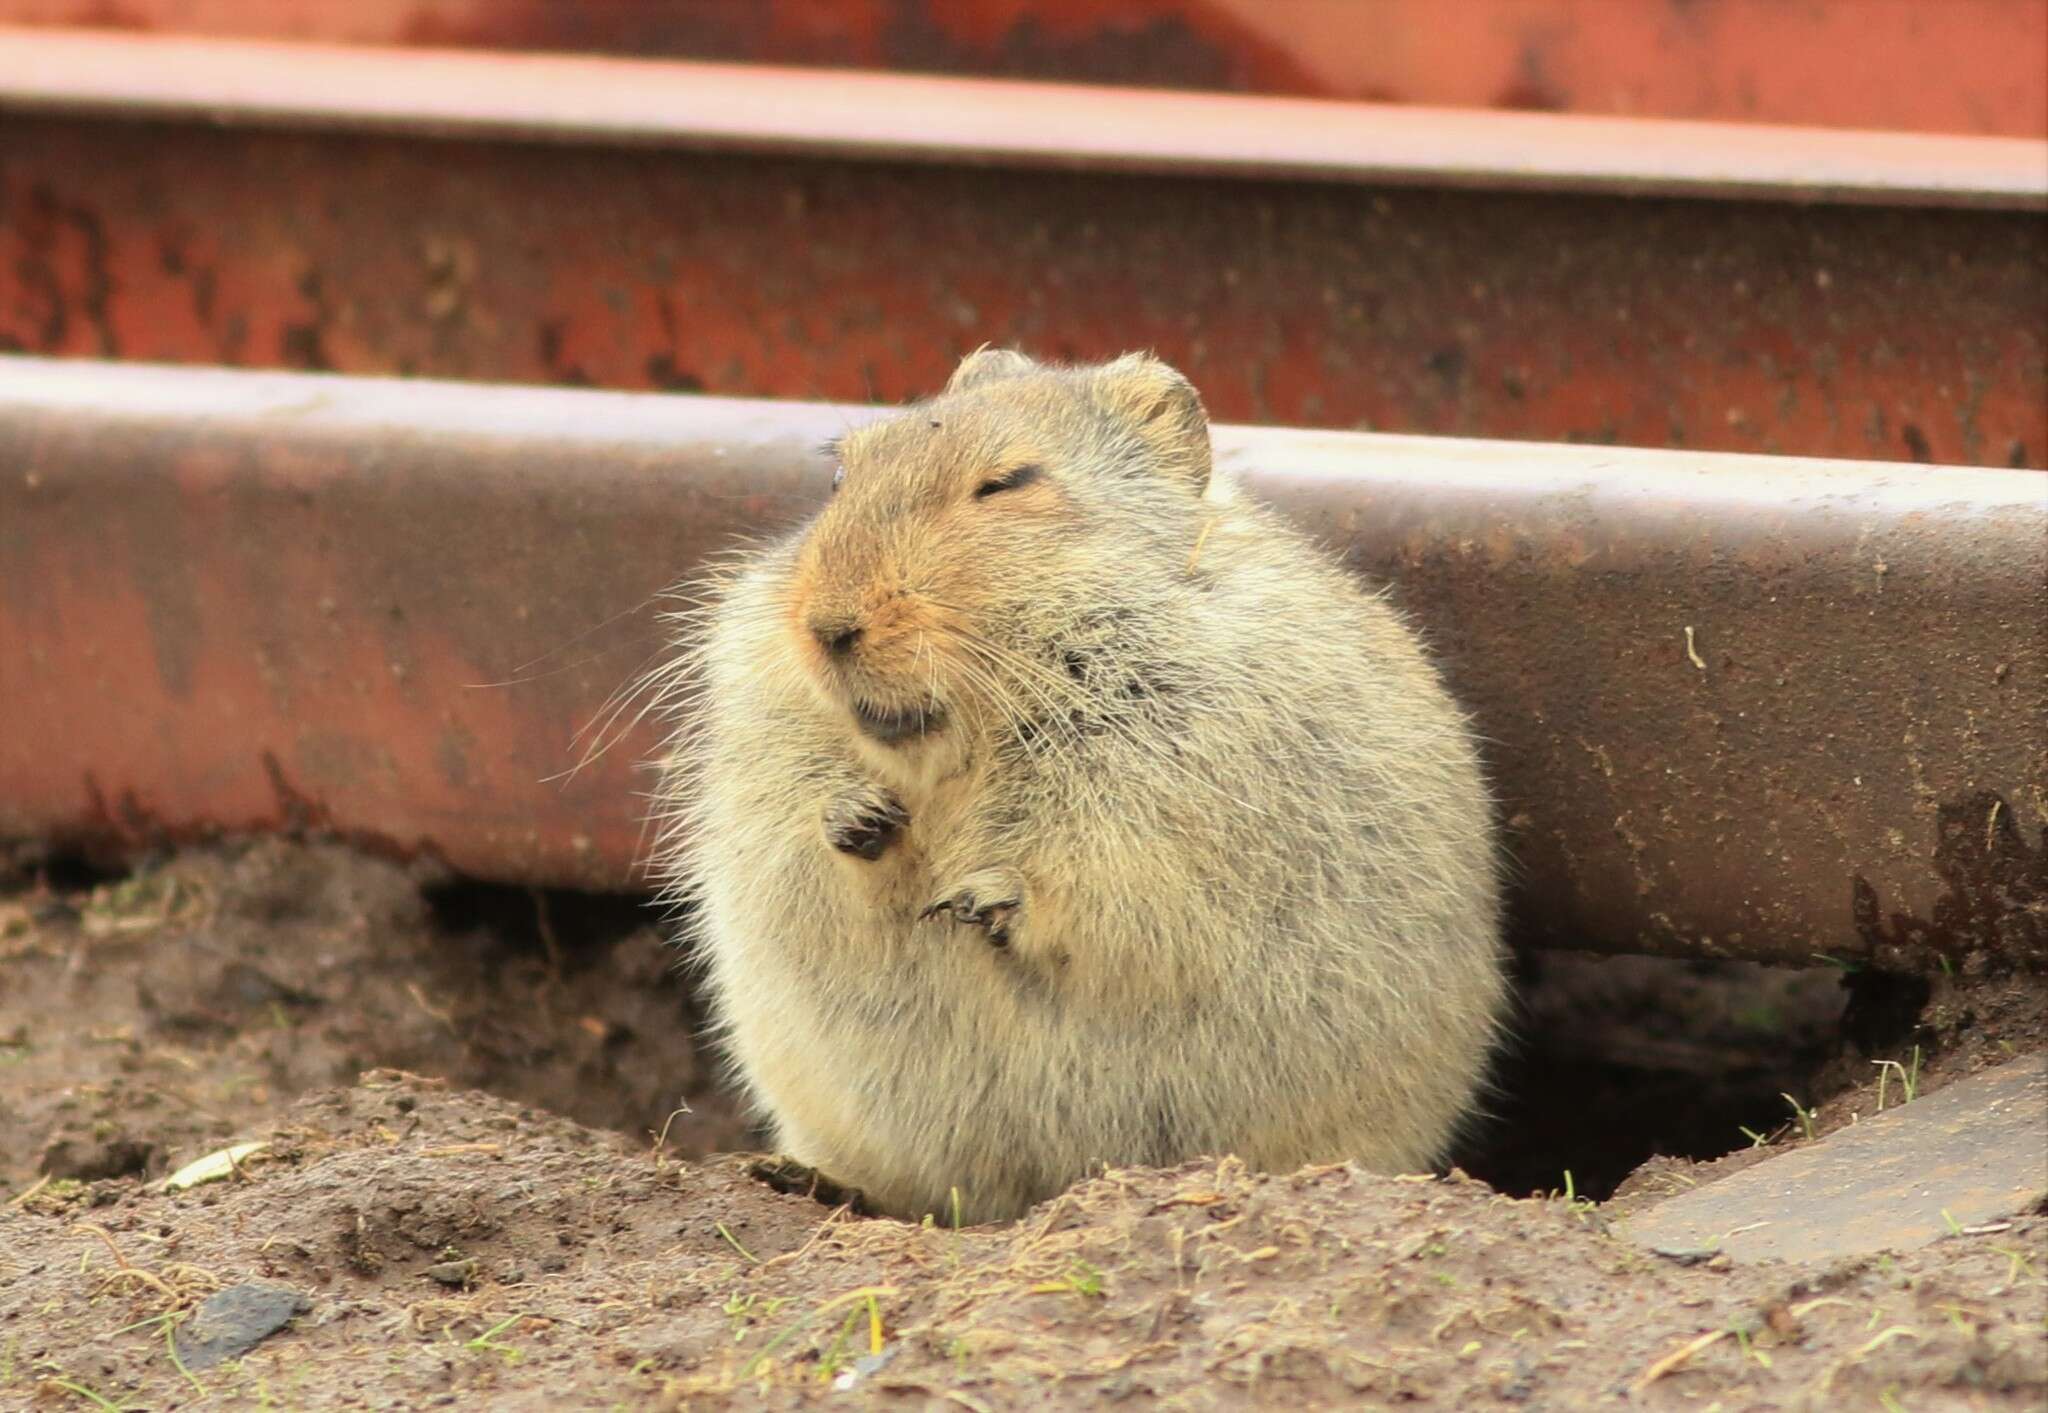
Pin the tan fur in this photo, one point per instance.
(1242, 823)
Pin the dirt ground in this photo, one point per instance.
(463, 1202)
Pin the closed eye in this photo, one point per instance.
(1008, 481)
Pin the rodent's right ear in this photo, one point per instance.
(988, 365)
(1166, 411)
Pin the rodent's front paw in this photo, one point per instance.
(864, 822)
(991, 899)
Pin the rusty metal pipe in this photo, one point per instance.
(759, 108)
(1735, 326)
(1736, 706)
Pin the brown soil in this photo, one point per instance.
(507, 1233)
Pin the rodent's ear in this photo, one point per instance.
(988, 365)
(1167, 411)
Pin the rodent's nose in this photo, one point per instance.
(836, 636)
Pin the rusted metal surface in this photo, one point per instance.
(1929, 65)
(1735, 706)
(1891, 334)
(1970, 1155)
(559, 98)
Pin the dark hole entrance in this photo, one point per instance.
(33, 864)
(559, 925)
(1618, 1059)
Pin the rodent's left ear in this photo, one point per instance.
(1166, 410)
(987, 365)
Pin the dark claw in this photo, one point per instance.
(865, 826)
(992, 917)
(796, 1179)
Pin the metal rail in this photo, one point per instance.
(1923, 65)
(681, 103)
(1735, 706)
(589, 258)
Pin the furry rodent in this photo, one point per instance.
(1042, 805)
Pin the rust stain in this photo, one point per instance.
(1995, 900)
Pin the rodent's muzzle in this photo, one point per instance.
(841, 637)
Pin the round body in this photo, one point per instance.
(1044, 806)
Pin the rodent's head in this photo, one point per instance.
(968, 537)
